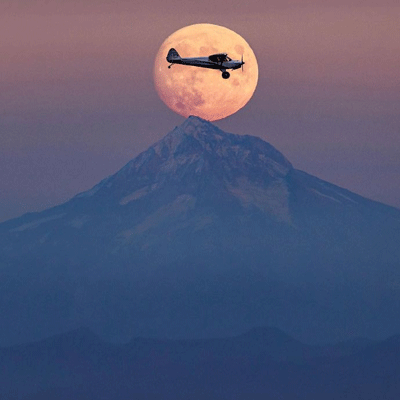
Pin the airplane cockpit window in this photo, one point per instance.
(221, 57)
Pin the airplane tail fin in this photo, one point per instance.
(173, 55)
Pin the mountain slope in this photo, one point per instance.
(205, 233)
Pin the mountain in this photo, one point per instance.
(204, 234)
(79, 365)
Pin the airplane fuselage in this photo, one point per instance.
(205, 62)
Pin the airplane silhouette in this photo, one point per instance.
(219, 61)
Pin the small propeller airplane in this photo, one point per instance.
(219, 61)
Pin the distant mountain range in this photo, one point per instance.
(263, 362)
(204, 234)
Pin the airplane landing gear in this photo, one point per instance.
(226, 75)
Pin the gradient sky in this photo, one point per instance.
(77, 98)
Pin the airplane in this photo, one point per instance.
(219, 61)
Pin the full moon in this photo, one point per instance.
(189, 90)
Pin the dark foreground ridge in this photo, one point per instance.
(263, 362)
(204, 234)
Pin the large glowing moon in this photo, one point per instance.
(202, 92)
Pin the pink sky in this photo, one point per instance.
(77, 98)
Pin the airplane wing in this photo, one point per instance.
(218, 58)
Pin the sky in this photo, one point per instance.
(77, 98)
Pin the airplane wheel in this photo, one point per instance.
(226, 75)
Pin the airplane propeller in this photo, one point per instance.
(242, 62)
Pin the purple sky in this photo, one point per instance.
(77, 99)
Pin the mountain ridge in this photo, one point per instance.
(264, 360)
(205, 233)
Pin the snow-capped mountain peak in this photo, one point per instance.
(203, 215)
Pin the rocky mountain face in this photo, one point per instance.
(205, 233)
